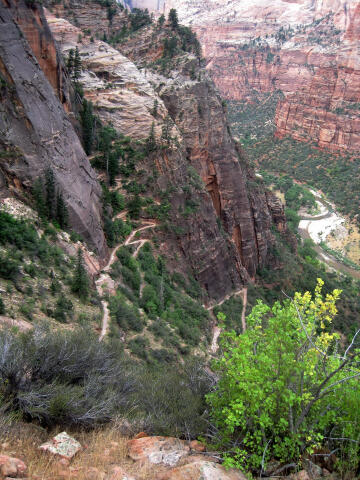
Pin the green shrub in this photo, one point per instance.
(64, 377)
(283, 386)
(132, 279)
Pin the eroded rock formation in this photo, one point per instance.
(308, 50)
(35, 132)
(221, 218)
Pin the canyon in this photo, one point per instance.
(308, 50)
(229, 235)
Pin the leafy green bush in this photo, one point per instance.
(283, 386)
(127, 317)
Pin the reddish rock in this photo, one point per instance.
(228, 236)
(197, 446)
(202, 470)
(165, 450)
(141, 435)
(12, 467)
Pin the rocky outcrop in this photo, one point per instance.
(35, 132)
(306, 49)
(38, 35)
(220, 221)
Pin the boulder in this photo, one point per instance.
(197, 446)
(165, 450)
(62, 445)
(302, 475)
(117, 473)
(12, 467)
(202, 470)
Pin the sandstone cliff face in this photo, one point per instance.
(308, 50)
(35, 132)
(221, 225)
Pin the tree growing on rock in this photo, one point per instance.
(173, 19)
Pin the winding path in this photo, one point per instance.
(216, 329)
(105, 278)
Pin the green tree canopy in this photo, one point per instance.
(284, 388)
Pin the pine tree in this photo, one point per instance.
(80, 282)
(50, 193)
(38, 194)
(161, 20)
(134, 207)
(2, 307)
(113, 169)
(173, 19)
(77, 65)
(88, 122)
(151, 140)
(62, 215)
(155, 108)
(70, 62)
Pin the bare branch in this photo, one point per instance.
(352, 343)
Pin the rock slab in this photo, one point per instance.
(202, 470)
(62, 445)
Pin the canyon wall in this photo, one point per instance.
(308, 50)
(35, 131)
(221, 217)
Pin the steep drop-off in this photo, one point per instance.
(35, 132)
(308, 50)
(221, 224)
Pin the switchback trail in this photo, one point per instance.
(216, 329)
(105, 278)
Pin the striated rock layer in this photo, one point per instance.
(308, 50)
(35, 132)
(221, 218)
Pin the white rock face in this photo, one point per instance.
(121, 93)
(223, 12)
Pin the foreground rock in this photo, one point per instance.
(62, 445)
(165, 450)
(12, 467)
(202, 470)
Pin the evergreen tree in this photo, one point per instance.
(38, 194)
(80, 282)
(62, 215)
(2, 307)
(155, 108)
(70, 61)
(113, 169)
(50, 193)
(77, 65)
(88, 123)
(161, 20)
(106, 136)
(134, 206)
(151, 140)
(173, 19)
